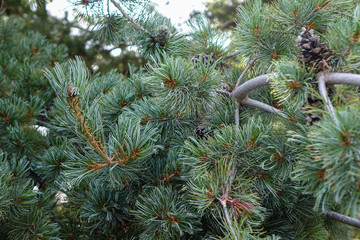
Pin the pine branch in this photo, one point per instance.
(244, 72)
(232, 54)
(97, 144)
(237, 115)
(227, 217)
(324, 94)
(242, 91)
(343, 78)
(226, 196)
(342, 218)
(251, 102)
(130, 19)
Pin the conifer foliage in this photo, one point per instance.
(248, 136)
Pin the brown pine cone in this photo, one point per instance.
(313, 53)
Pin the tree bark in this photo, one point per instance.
(342, 218)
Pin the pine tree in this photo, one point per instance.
(248, 136)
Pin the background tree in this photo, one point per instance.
(84, 43)
(191, 146)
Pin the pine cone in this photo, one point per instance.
(206, 59)
(200, 133)
(312, 52)
(162, 35)
(313, 102)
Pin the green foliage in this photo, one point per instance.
(159, 152)
(332, 163)
(170, 215)
(292, 84)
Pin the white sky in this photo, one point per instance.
(177, 10)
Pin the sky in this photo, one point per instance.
(177, 10)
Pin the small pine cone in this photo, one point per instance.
(311, 118)
(206, 59)
(200, 133)
(162, 35)
(312, 52)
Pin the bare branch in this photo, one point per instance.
(232, 54)
(227, 217)
(237, 115)
(343, 78)
(342, 218)
(323, 92)
(251, 102)
(244, 72)
(242, 91)
(129, 18)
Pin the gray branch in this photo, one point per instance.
(237, 115)
(129, 18)
(323, 92)
(343, 78)
(227, 217)
(244, 72)
(232, 54)
(242, 91)
(342, 218)
(251, 102)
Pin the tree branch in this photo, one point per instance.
(323, 92)
(130, 19)
(237, 115)
(343, 78)
(342, 218)
(244, 72)
(251, 102)
(227, 217)
(232, 54)
(226, 196)
(242, 91)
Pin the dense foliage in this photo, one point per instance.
(257, 138)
